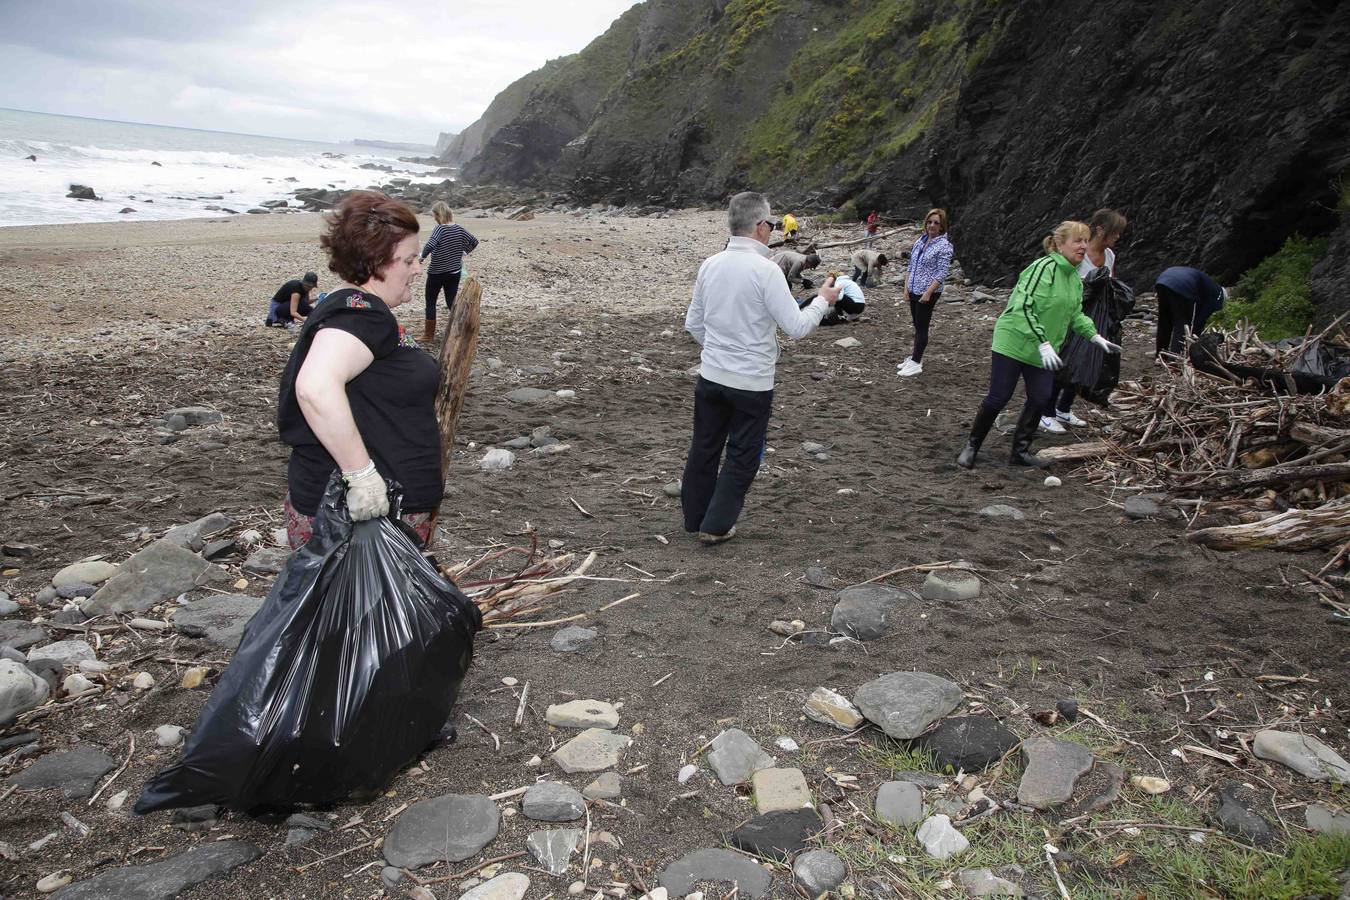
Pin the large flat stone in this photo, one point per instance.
(160, 571)
(903, 704)
(780, 790)
(165, 878)
(1304, 754)
(778, 835)
(550, 801)
(867, 611)
(20, 690)
(1053, 768)
(219, 618)
(720, 866)
(64, 653)
(75, 772)
(452, 827)
(19, 634)
(582, 714)
(735, 756)
(967, 743)
(1326, 820)
(506, 886)
(900, 804)
(594, 750)
(529, 395)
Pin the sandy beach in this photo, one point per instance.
(108, 326)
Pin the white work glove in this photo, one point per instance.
(1049, 358)
(367, 494)
(1106, 345)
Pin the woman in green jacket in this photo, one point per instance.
(1045, 304)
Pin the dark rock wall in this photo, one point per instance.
(1219, 128)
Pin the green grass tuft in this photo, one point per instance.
(1275, 296)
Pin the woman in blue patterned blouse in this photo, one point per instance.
(929, 263)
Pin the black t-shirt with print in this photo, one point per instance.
(393, 403)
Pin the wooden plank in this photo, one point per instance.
(457, 353)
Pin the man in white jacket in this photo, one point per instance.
(739, 298)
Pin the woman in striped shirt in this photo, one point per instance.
(446, 247)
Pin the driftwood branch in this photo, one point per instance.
(862, 240)
(1268, 477)
(457, 353)
(1298, 529)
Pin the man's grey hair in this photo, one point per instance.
(746, 210)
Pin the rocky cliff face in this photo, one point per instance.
(1218, 127)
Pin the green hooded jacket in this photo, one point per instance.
(1045, 304)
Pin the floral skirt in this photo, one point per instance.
(300, 527)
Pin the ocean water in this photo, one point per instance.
(196, 169)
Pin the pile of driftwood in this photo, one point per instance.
(1230, 448)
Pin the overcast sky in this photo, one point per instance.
(319, 69)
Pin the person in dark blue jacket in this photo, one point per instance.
(1187, 298)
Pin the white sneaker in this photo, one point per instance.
(1051, 425)
(908, 361)
(1068, 418)
(910, 368)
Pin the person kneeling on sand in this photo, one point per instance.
(866, 263)
(739, 298)
(1046, 302)
(851, 303)
(290, 306)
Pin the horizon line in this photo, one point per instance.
(273, 137)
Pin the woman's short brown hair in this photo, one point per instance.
(942, 218)
(363, 231)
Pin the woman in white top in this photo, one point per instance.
(1106, 227)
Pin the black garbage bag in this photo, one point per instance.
(347, 672)
(1093, 371)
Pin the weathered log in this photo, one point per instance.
(1282, 475)
(861, 240)
(1298, 529)
(457, 353)
(1075, 452)
(1318, 435)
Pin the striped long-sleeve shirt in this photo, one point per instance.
(447, 246)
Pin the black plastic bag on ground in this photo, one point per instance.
(347, 672)
(1094, 372)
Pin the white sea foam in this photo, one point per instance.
(196, 169)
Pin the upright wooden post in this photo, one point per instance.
(457, 353)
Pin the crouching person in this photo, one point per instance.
(740, 297)
(794, 264)
(867, 263)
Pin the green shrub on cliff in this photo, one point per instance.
(1274, 296)
(858, 94)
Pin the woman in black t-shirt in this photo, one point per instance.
(356, 394)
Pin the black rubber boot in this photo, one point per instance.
(978, 430)
(1026, 430)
